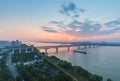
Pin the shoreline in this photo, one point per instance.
(107, 79)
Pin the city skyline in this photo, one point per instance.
(63, 20)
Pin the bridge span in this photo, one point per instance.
(68, 46)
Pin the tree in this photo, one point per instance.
(109, 79)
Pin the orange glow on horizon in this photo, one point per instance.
(26, 32)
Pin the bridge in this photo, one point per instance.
(28, 49)
(84, 45)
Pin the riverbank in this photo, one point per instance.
(39, 70)
(103, 61)
(50, 67)
(75, 71)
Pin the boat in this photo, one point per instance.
(80, 51)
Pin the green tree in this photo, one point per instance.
(109, 79)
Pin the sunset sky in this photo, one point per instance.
(60, 20)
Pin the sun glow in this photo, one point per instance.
(70, 38)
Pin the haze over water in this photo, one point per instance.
(103, 61)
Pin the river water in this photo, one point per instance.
(104, 60)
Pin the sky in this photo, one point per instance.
(60, 20)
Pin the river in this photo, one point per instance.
(103, 60)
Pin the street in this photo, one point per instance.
(10, 66)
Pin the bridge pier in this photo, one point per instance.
(94, 46)
(46, 50)
(56, 50)
(85, 46)
(78, 47)
(68, 48)
(98, 45)
(89, 46)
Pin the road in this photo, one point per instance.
(10, 66)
